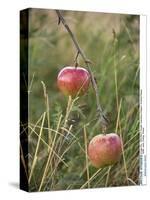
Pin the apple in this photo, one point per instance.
(73, 81)
(104, 150)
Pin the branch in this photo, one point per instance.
(102, 118)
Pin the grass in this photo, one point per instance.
(60, 128)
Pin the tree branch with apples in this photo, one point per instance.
(104, 149)
(101, 116)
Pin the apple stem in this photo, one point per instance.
(76, 64)
(76, 59)
(102, 118)
(104, 128)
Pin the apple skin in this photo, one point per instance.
(73, 81)
(104, 150)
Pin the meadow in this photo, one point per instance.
(60, 127)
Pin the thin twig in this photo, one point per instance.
(86, 155)
(61, 18)
(76, 59)
(102, 118)
(107, 177)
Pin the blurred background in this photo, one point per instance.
(111, 42)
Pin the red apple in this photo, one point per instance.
(73, 81)
(104, 150)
